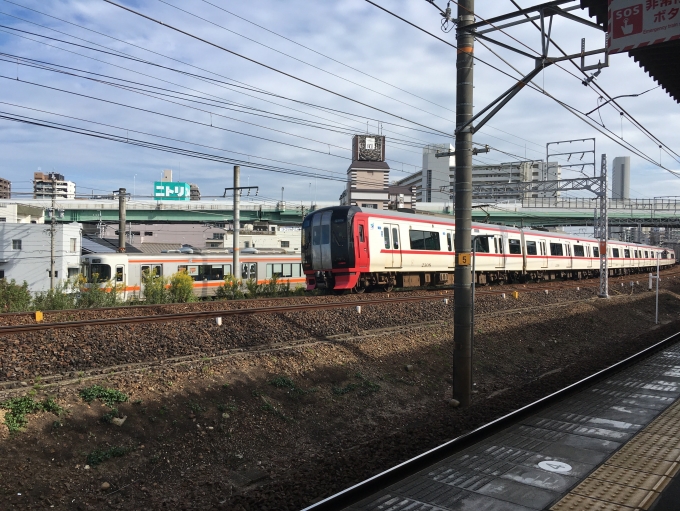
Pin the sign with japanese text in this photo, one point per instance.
(171, 191)
(639, 23)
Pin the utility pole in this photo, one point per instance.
(237, 220)
(462, 316)
(121, 220)
(604, 231)
(53, 231)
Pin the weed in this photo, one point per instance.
(137, 402)
(108, 417)
(256, 393)
(225, 385)
(174, 422)
(196, 408)
(163, 411)
(99, 455)
(283, 382)
(108, 396)
(365, 388)
(81, 374)
(19, 407)
(268, 407)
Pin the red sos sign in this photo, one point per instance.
(627, 21)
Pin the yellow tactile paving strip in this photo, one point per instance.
(636, 474)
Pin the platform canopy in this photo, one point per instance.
(659, 60)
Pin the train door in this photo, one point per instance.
(393, 245)
(361, 243)
(326, 261)
(589, 256)
(568, 253)
(544, 253)
(500, 251)
(450, 237)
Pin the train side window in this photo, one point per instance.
(297, 270)
(386, 233)
(596, 252)
(579, 251)
(227, 269)
(556, 249)
(287, 270)
(515, 246)
(316, 235)
(361, 233)
(482, 245)
(626, 253)
(531, 248)
(395, 238)
(448, 240)
(615, 252)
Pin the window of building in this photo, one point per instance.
(218, 236)
(596, 251)
(515, 246)
(285, 244)
(579, 251)
(369, 206)
(148, 233)
(424, 240)
(73, 244)
(3, 219)
(615, 252)
(16, 244)
(56, 274)
(246, 244)
(531, 248)
(2, 274)
(73, 272)
(556, 249)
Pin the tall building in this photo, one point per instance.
(5, 189)
(368, 175)
(621, 177)
(46, 185)
(490, 182)
(195, 193)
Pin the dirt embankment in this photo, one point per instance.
(279, 430)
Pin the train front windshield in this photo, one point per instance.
(327, 239)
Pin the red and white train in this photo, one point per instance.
(353, 248)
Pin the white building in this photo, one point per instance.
(279, 238)
(25, 253)
(492, 182)
(621, 177)
(21, 214)
(45, 185)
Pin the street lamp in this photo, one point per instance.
(134, 186)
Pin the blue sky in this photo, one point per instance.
(415, 80)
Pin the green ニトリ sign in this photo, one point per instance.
(171, 191)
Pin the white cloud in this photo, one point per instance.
(350, 31)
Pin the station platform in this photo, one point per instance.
(614, 446)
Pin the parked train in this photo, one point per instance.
(353, 248)
(207, 269)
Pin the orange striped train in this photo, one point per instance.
(207, 269)
(353, 248)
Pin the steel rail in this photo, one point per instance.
(383, 480)
(191, 316)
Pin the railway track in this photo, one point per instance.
(72, 377)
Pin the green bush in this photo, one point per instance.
(181, 288)
(253, 288)
(92, 294)
(19, 407)
(60, 298)
(14, 297)
(155, 287)
(230, 289)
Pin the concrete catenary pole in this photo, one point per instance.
(236, 272)
(121, 220)
(462, 316)
(53, 231)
